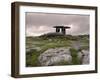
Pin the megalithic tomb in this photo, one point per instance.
(61, 29)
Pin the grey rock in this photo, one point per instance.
(84, 56)
(79, 55)
(56, 55)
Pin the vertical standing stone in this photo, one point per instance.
(57, 30)
(63, 31)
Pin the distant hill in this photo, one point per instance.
(52, 34)
(59, 35)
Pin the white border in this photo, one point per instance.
(38, 70)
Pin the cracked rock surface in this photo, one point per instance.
(54, 56)
(58, 55)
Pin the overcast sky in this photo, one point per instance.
(40, 23)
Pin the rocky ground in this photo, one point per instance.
(62, 56)
(52, 51)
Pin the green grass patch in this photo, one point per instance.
(32, 58)
(75, 60)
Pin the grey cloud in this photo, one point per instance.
(43, 23)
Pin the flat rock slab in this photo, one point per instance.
(54, 56)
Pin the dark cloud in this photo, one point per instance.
(40, 23)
